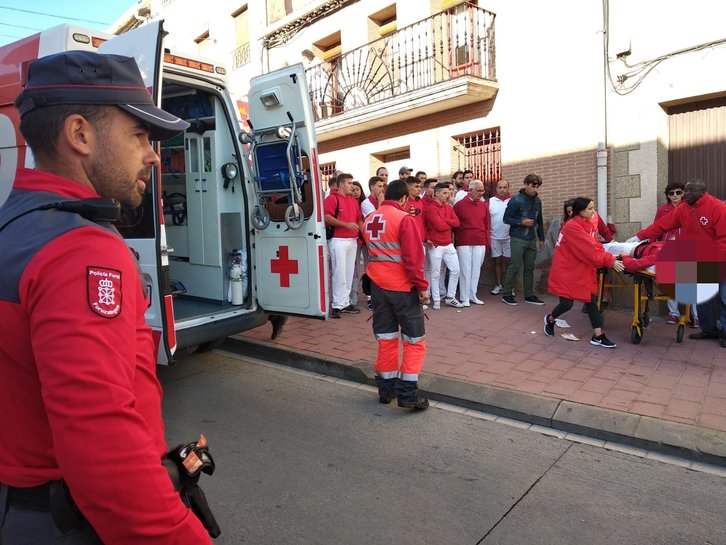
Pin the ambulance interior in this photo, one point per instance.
(204, 205)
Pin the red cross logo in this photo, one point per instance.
(376, 226)
(284, 266)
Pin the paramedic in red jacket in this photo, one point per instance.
(573, 276)
(80, 401)
(471, 239)
(398, 289)
(702, 217)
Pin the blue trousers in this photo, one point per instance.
(19, 526)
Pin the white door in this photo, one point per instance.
(145, 45)
(291, 270)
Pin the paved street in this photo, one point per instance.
(307, 460)
(677, 390)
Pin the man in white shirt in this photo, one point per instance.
(500, 248)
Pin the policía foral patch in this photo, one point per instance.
(104, 291)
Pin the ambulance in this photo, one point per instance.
(231, 229)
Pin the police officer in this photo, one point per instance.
(398, 289)
(81, 456)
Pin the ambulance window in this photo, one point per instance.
(207, 154)
(193, 155)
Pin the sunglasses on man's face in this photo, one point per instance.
(675, 193)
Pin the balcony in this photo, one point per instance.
(439, 63)
(241, 56)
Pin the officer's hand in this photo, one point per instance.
(618, 266)
(424, 297)
(529, 222)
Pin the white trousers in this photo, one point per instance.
(471, 258)
(447, 255)
(342, 262)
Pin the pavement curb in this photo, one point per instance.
(694, 443)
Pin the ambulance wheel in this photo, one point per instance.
(679, 333)
(211, 345)
(635, 335)
(260, 217)
(294, 217)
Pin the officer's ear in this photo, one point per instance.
(78, 134)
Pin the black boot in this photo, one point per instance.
(386, 389)
(409, 397)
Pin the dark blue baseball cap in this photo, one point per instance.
(85, 77)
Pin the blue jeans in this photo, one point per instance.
(712, 310)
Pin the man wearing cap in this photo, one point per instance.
(404, 172)
(82, 462)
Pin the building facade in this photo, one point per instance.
(608, 99)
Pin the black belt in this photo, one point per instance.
(36, 498)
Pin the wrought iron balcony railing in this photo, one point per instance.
(241, 56)
(455, 43)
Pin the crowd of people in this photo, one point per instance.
(458, 221)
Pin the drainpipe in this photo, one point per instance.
(602, 182)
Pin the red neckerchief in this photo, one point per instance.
(374, 202)
(507, 196)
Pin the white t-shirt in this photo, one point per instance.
(460, 195)
(366, 207)
(499, 229)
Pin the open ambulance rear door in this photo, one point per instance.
(145, 45)
(290, 252)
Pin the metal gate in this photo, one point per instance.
(697, 144)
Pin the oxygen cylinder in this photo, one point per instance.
(237, 277)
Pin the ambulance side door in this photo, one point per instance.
(145, 45)
(290, 264)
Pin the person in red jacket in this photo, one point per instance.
(398, 289)
(573, 275)
(81, 404)
(471, 239)
(674, 198)
(702, 219)
(440, 223)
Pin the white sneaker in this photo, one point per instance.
(452, 302)
(425, 307)
(476, 301)
(465, 304)
(497, 289)
(436, 305)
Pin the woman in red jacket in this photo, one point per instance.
(573, 276)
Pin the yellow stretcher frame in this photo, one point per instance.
(644, 290)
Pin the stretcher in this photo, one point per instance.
(645, 289)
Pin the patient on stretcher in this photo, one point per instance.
(636, 256)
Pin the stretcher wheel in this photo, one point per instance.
(294, 217)
(679, 333)
(260, 217)
(635, 335)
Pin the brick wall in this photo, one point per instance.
(564, 176)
